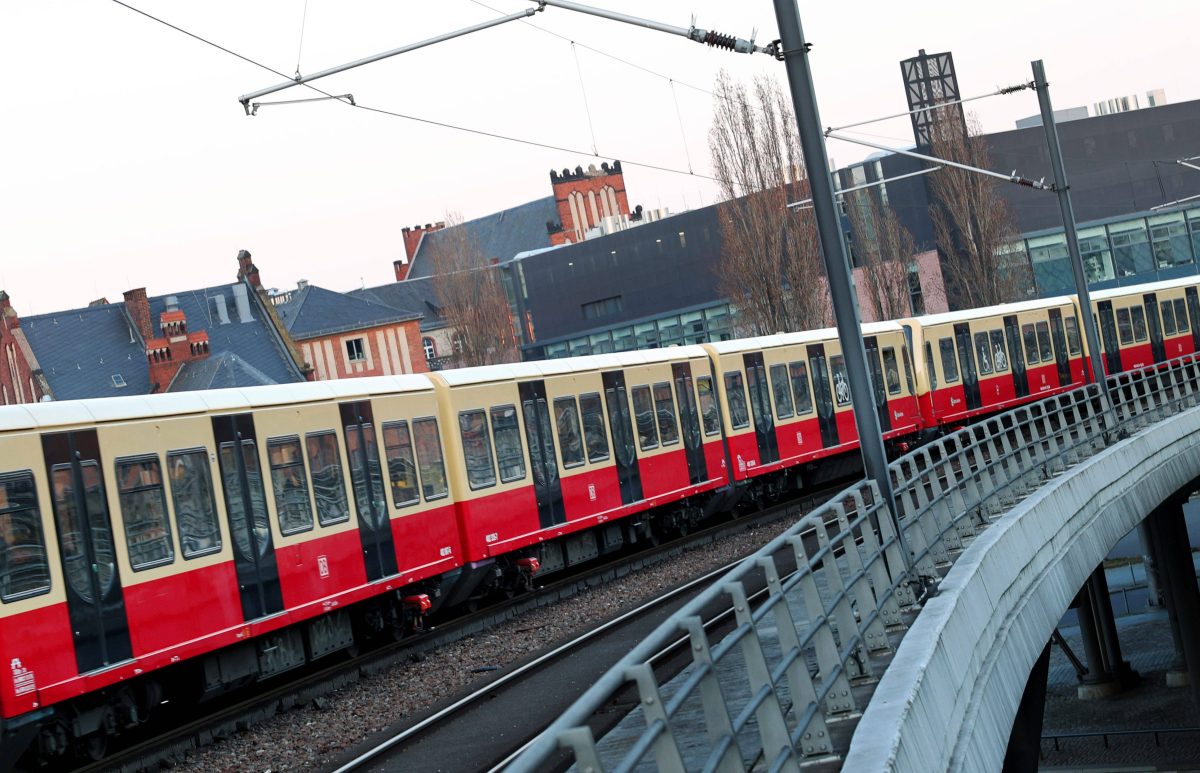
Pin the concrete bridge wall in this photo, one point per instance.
(948, 700)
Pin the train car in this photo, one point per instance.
(554, 448)
(981, 361)
(230, 530)
(1148, 323)
(786, 398)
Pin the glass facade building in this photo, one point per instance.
(694, 326)
(1123, 251)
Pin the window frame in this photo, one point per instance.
(983, 354)
(515, 428)
(1167, 311)
(588, 396)
(277, 491)
(796, 393)
(356, 349)
(35, 512)
(441, 458)
(996, 337)
(634, 391)
(713, 403)
(1182, 322)
(781, 392)
(484, 442)
(946, 346)
(672, 413)
(1137, 313)
(740, 379)
(122, 492)
(1045, 346)
(1124, 333)
(385, 428)
(1074, 342)
(206, 466)
(341, 473)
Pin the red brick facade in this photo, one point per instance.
(20, 378)
(169, 345)
(382, 350)
(585, 197)
(412, 239)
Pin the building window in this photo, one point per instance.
(354, 349)
(602, 308)
(429, 347)
(456, 341)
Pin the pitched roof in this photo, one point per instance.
(500, 235)
(81, 350)
(313, 311)
(217, 371)
(415, 294)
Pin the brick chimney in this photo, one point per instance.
(138, 308)
(8, 315)
(247, 269)
(412, 237)
(401, 267)
(173, 346)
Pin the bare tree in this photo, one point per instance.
(473, 300)
(885, 251)
(771, 268)
(973, 225)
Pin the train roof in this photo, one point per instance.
(798, 337)
(542, 368)
(965, 315)
(106, 409)
(1149, 287)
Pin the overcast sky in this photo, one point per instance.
(129, 162)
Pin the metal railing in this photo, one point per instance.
(838, 590)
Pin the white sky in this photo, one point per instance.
(129, 162)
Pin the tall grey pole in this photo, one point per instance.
(794, 51)
(1068, 216)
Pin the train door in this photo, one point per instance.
(1154, 323)
(246, 506)
(95, 598)
(878, 388)
(966, 360)
(1193, 307)
(370, 498)
(1016, 356)
(1108, 337)
(1058, 336)
(823, 395)
(760, 407)
(620, 423)
(690, 419)
(547, 487)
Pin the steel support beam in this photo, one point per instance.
(1179, 583)
(794, 52)
(1097, 682)
(1068, 217)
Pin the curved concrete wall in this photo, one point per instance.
(948, 699)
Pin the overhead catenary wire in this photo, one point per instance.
(947, 103)
(682, 134)
(417, 119)
(300, 47)
(587, 109)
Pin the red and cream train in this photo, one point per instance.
(190, 543)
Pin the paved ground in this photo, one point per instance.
(1146, 643)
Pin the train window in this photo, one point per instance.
(708, 405)
(999, 351)
(291, 485)
(192, 495)
(643, 414)
(1073, 344)
(593, 427)
(329, 483)
(735, 393)
(929, 369)
(800, 389)
(1031, 348)
(241, 522)
(402, 466)
(1168, 317)
(891, 370)
(1124, 326)
(506, 435)
(841, 382)
(907, 363)
(429, 458)
(983, 353)
(949, 361)
(24, 569)
(1139, 323)
(664, 408)
(783, 391)
(144, 512)
(1043, 337)
(1181, 316)
(477, 451)
(566, 421)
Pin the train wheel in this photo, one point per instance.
(94, 746)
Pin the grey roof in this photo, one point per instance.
(80, 350)
(314, 311)
(416, 294)
(500, 235)
(218, 371)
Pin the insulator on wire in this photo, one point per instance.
(717, 40)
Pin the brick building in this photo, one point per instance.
(585, 199)
(345, 336)
(21, 379)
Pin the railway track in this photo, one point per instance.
(190, 733)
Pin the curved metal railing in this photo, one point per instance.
(838, 590)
